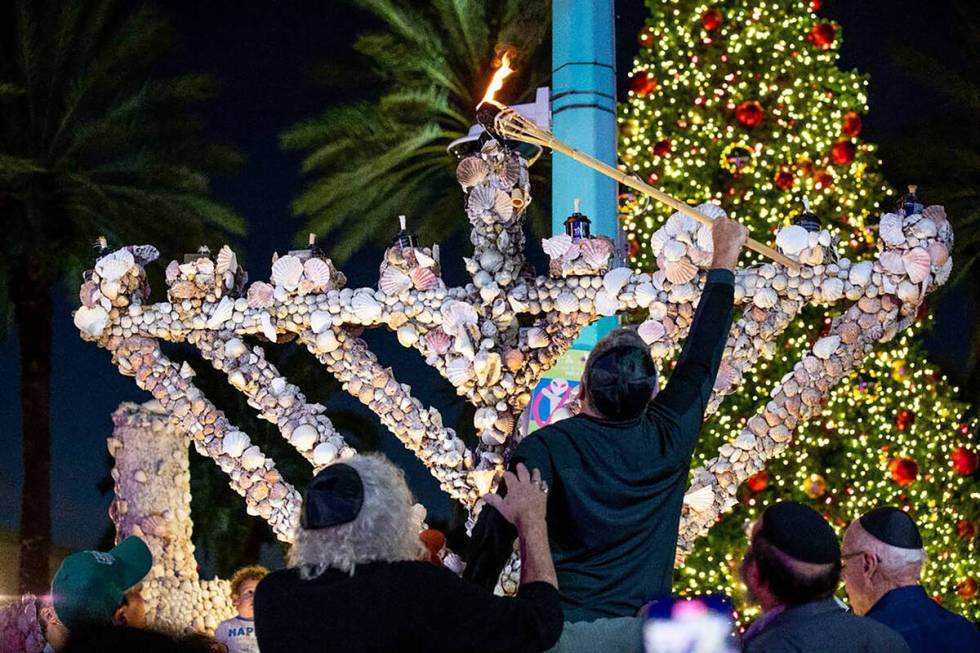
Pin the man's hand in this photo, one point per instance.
(728, 237)
(527, 499)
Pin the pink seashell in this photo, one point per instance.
(892, 262)
(938, 253)
(260, 295)
(595, 252)
(185, 290)
(318, 272)
(699, 257)
(917, 264)
(439, 341)
(89, 294)
(503, 205)
(936, 213)
(680, 271)
(394, 282)
(172, 273)
(424, 279)
(890, 229)
(556, 246)
(651, 331)
(226, 261)
(572, 252)
(727, 375)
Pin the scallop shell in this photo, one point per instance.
(711, 210)
(91, 320)
(890, 229)
(324, 454)
(439, 341)
(701, 499)
(471, 171)
(917, 264)
(832, 289)
(508, 172)
(605, 304)
(304, 437)
(424, 278)
(114, 266)
(908, 292)
(571, 253)
(503, 205)
(260, 295)
(394, 282)
(935, 213)
(88, 294)
(595, 252)
(556, 246)
(645, 294)
(826, 346)
(172, 273)
(537, 338)
(226, 261)
(566, 302)
(408, 335)
(459, 371)
(456, 315)
(860, 273)
(318, 272)
(892, 262)
(651, 331)
(727, 375)
(658, 240)
(792, 239)
(252, 458)
(674, 250)
(680, 271)
(705, 240)
(765, 298)
(287, 272)
(679, 223)
(154, 525)
(481, 200)
(222, 313)
(938, 253)
(320, 321)
(234, 443)
(365, 307)
(682, 293)
(924, 229)
(614, 280)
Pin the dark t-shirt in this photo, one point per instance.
(400, 606)
(617, 487)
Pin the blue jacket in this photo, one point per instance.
(925, 625)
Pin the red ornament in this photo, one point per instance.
(750, 113)
(967, 529)
(784, 179)
(851, 123)
(965, 462)
(661, 148)
(967, 589)
(843, 152)
(822, 180)
(822, 35)
(711, 19)
(904, 470)
(644, 83)
(634, 246)
(646, 38)
(904, 419)
(758, 481)
(815, 5)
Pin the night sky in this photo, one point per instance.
(262, 53)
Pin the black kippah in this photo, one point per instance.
(621, 382)
(800, 532)
(334, 497)
(892, 526)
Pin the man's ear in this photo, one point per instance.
(869, 564)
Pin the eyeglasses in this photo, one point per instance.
(843, 558)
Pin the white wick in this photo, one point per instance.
(806, 204)
(401, 221)
(578, 205)
(312, 240)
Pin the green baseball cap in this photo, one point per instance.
(89, 586)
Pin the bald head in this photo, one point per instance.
(872, 568)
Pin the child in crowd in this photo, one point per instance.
(238, 633)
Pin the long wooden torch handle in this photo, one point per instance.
(661, 196)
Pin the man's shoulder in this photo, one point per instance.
(836, 629)
(548, 436)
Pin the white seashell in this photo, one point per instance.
(424, 259)
(680, 271)
(745, 441)
(186, 371)
(459, 371)
(682, 293)
(711, 210)
(936, 214)
(91, 320)
(491, 260)
(924, 229)
(408, 335)
(792, 239)
(318, 272)
(234, 348)
(556, 246)
(269, 331)
(726, 376)
(860, 273)
(537, 338)
(567, 302)
(252, 458)
(222, 313)
(908, 292)
(439, 341)
(488, 368)
(320, 321)
(503, 205)
(614, 280)
(892, 262)
(938, 253)
(365, 307)
(114, 266)
(110, 289)
(595, 252)
(674, 250)
(826, 346)
(942, 275)
(234, 443)
(225, 261)
(832, 289)
(172, 273)
(679, 223)
(482, 199)
(260, 295)
(890, 229)
(917, 264)
(324, 454)
(456, 315)
(424, 279)
(571, 253)
(462, 344)
(471, 171)
(765, 298)
(646, 294)
(327, 342)
(394, 282)
(701, 499)
(287, 272)
(304, 437)
(605, 304)
(705, 240)
(651, 331)
(659, 240)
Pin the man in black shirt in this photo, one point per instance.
(357, 581)
(618, 470)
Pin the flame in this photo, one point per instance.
(498, 78)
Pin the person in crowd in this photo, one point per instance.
(791, 569)
(882, 555)
(95, 587)
(358, 580)
(238, 633)
(618, 470)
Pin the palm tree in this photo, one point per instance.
(90, 144)
(427, 68)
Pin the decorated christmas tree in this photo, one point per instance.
(744, 105)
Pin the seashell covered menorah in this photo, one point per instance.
(494, 337)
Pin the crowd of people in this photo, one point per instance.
(592, 504)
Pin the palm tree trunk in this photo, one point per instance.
(33, 313)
